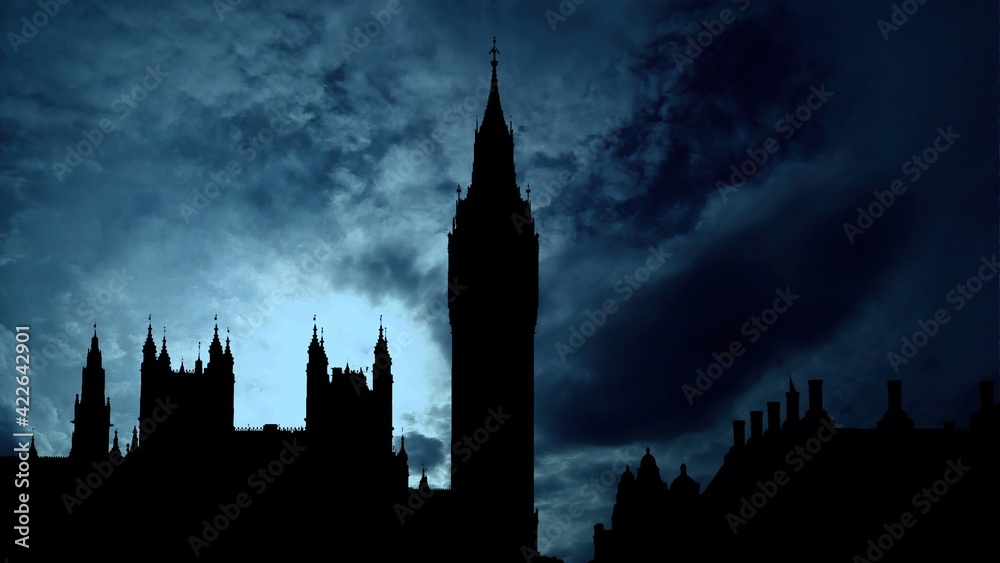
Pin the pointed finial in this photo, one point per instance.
(321, 337)
(626, 467)
(494, 51)
(95, 329)
(199, 349)
(684, 469)
(647, 450)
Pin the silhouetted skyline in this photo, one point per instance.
(350, 129)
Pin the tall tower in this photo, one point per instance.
(92, 410)
(493, 309)
(382, 390)
(317, 384)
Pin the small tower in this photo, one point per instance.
(92, 410)
(317, 384)
(382, 387)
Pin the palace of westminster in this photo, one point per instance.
(188, 485)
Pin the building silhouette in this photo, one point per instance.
(191, 486)
(807, 490)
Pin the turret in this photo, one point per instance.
(382, 385)
(317, 383)
(91, 410)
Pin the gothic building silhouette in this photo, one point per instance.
(807, 490)
(191, 486)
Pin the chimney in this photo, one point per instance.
(791, 404)
(895, 418)
(773, 416)
(986, 396)
(895, 394)
(756, 424)
(816, 395)
(739, 433)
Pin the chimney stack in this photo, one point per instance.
(986, 396)
(791, 404)
(773, 416)
(816, 395)
(756, 424)
(895, 418)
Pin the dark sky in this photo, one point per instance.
(347, 130)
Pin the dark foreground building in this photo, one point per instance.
(806, 490)
(186, 484)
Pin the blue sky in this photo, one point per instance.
(274, 160)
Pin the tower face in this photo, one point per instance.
(493, 309)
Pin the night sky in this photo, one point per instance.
(271, 161)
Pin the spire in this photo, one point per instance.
(135, 438)
(32, 451)
(164, 356)
(228, 352)
(314, 344)
(423, 478)
(493, 159)
(197, 363)
(215, 347)
(494, 113)
(94, 354)
(114, 445)
(149, 348)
